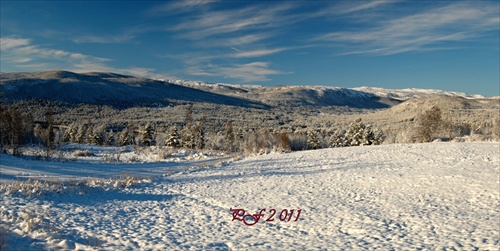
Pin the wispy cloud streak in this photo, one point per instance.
(179, 6)
(251, 72)
(221, 22)
(104, 39)
(23, 54)
(455, 22)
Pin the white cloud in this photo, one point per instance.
(103, 39)
(179, 5)
(363, 6)
(20, 53)
(21, 50)
(256, 53)
(454, 22)
(221, 22)
(251, 72)
(9, 43)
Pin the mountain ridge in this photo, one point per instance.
(107, 88)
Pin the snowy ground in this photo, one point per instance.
(419, 196)
(78, 162)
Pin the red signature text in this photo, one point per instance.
(270, 215)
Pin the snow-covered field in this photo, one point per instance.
(390, 197)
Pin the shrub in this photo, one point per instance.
(358, 134)
(313, 140)
(284, 143)
(82, 153)
(428, 125)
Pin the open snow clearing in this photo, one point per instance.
(419, 196)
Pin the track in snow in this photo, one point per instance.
(419, 196)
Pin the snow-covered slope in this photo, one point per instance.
(404, 94)
(436, 196)
(124, 91)
(105, 89)
(364, 91)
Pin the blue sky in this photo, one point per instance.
(448, 45)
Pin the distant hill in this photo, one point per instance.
(106, 89)
(123, 91)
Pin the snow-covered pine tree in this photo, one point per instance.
(148, 135)
(371, 137)
(96, 137)
(173, 138)
(110, 138)
(229, 137)
(198, 136)
(368, 136)
(89, 136)
(354, 135)
(39, 132)
(80, 134)
(378, 137)
(187, 138)
(360, 134)
(313, 140)
(124, 138)
(73, 132)
(67, 133)
(338, 138)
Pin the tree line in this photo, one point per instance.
(19, 129)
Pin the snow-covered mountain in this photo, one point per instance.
(124, 91)
(324, 95)
(106, 89)
(408, 93)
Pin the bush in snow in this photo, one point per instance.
(428, 125)
(33, 188)
(358, 134)
(284, 143)
(338, 138)
(298, 141)
(82, 153)
(313, 140)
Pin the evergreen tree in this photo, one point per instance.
(187, 137)
(67, 134)
(354, 135)
(188, 116)
(360, 134)
(110, 138)
(89, 136)
(229, 137)
(124, 138)
(312, 140)
(173, 139)
(148, 136)
(378, 137)
(80, 134)
(96, 137)
(199, 136)
(15, 128)
(338, 138)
